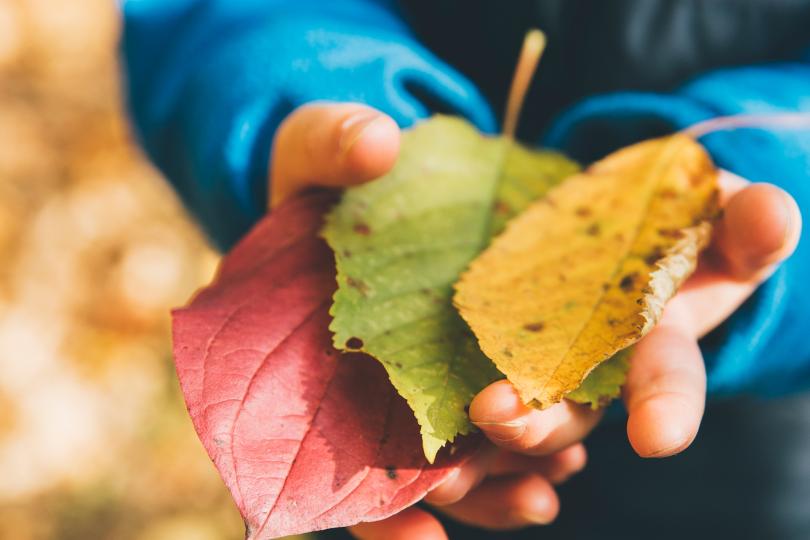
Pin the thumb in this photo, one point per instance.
(331, 145)
(760, 227)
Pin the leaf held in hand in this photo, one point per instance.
(604, 383)
(401, 242)
(586, 271)
(303, 438)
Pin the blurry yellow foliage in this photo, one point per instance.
(95, 442)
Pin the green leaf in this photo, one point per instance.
(604, 383)
(401, 242)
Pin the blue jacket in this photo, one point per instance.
(210, 80)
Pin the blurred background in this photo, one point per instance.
(95, 442)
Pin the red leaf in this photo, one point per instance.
(305, 438)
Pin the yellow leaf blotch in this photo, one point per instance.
(586, 271)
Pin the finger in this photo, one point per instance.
(743, 253)
(665, 391)
(410, 523)
(331, 145)
(498, 411)
(463, 479)
(760, 227)
(556, 468)
(507, 503)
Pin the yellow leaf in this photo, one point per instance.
(586, 271)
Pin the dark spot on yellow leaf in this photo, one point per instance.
(507, 352)
(668, 193)
(584, 211)
(391, 472)
(593, 230)
(605, 286)
(697, 179)
(655, 255)
(613, 322)
(675, 234)
(628, 282)
(354, 343)
(534, 327)
(362, 228)
(562, 278)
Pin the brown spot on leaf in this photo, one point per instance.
(675, 234)
(613, 322)
(354, 343)
(698, 179)
(507, 352)
(583, 211)
(502, 208)
(668, 193)
(628, 282)
(605, 286)
(347, 253)
(534, 327)
(357, 284)
(593, 230)
(362, 228)
(655, 255)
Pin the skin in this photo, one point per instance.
(510, 483)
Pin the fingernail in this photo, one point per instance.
(503, 431)
(531, 517)
(353, 128)
(537, 518)
(790, 222)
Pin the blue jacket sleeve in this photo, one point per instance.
(764, 348)
(209, 81)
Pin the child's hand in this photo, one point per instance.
(331, 145)
(496, 490)
(339, 145)
(666, 387)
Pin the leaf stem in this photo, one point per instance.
(797, 120)
(533, 46)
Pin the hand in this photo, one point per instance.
(338, 145)
(495, 489)
(665, 391)
(335, 145)
(331, 145)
